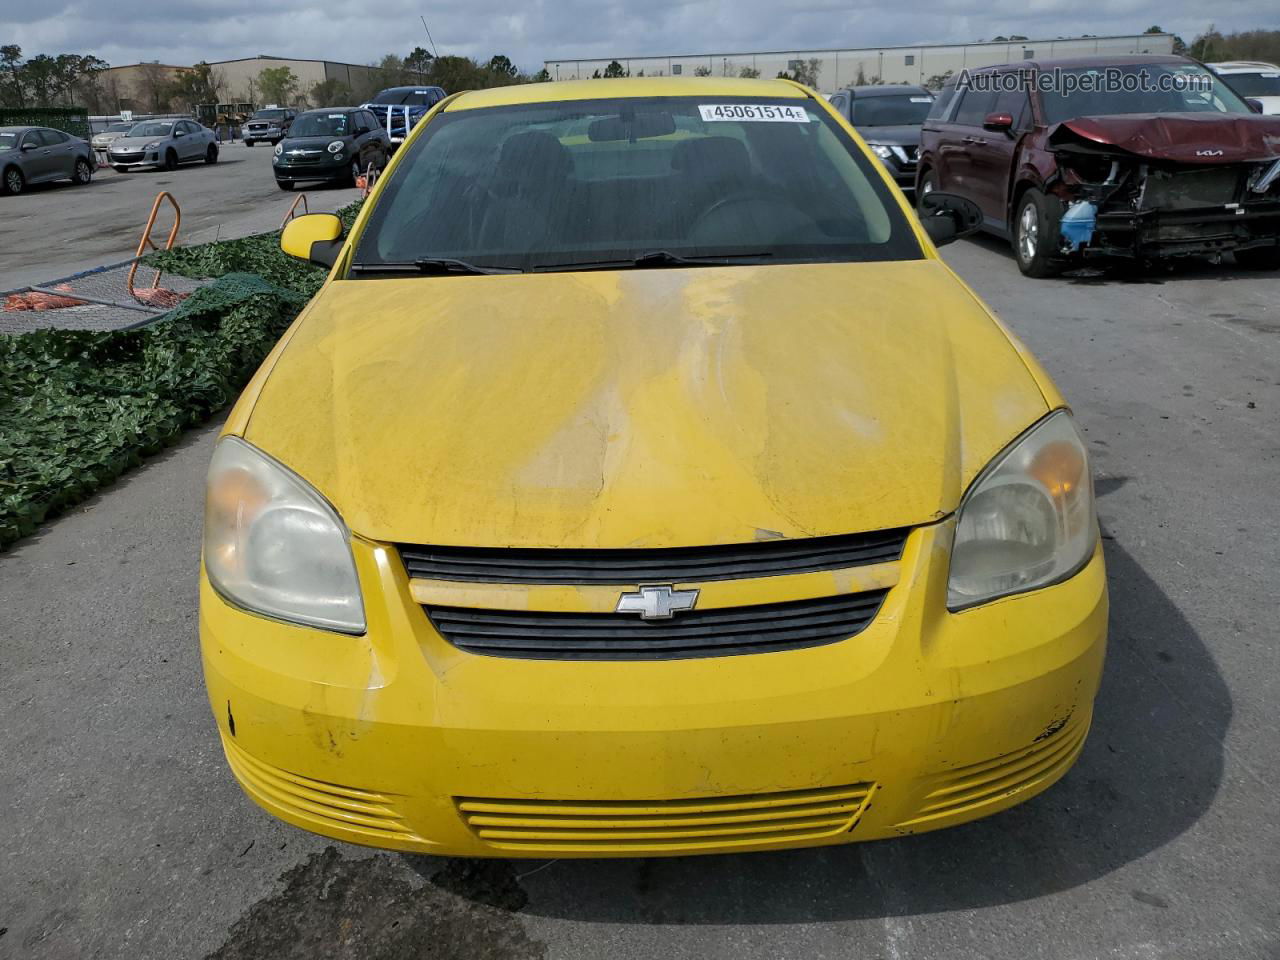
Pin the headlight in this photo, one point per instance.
(152, 146)
(336, 146)
(279, 149)
(1028, 520)
(880, 150)
(273, 545)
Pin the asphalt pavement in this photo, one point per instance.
(125, 835)
(53, 230)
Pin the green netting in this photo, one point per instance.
(78, 408)
(72, 120)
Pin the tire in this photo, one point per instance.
(1035, 224)
(1259, 258)
(928, 184)
(14, 181)
(120, 169)
(83, 172)
(170, 161)
(284, 185)
(211, 155)
(250, 143)
(353, 173)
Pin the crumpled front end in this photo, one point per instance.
(1121, 203)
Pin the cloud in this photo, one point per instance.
(185, 31)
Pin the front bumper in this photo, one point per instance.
(135, 161)
(307, 172)
(397, 739)
(263, 134)
(1164, 234)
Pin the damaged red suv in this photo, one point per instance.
(1144, 158)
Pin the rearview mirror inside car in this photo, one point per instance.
(631, 126)
(998, 122)
(947, 217)
(314, 237)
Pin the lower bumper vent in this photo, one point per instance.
(567, 826)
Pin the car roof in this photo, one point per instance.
(889, 90)
(1241, 66)
(420, 86)
(560, 91)
(329, 110)
(18, 129)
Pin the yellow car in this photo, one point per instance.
(641, 482)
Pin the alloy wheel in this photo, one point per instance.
(1028, 233)
(13, 181)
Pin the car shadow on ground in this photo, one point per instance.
(1122, 272)
(1150, 770)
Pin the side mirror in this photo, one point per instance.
(998, 122)
(1255, 105)
(947, 216)
(314, 237)
(180, 133)
(28, 145)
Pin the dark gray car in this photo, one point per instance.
(38, 154)
(163, 143)
(889, 119)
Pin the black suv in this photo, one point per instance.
(270, 124)
(334, 144)
(889, 119)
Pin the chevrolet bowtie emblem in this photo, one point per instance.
(657, 603)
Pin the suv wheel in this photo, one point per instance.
(1035, 225)
(928, 184)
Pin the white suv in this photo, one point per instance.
(1253, 80)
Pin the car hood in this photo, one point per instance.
(904, 136)
(135, 143)
(1180, 137)
(645, 408)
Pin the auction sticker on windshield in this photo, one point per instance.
(761, 112)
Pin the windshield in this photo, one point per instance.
(411, 97)
(269, 115)
(895, 111)
(590, 182)
(118, 128)
(1265, 83)
(8, 141)
(1139, 88)
(321, 125)
(152, 128)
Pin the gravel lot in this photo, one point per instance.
(126, 835)
(54, 230)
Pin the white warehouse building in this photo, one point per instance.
(840, 68)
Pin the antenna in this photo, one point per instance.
(434, 51)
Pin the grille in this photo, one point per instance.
(653, 825)
(371, 816)
(126, 157)
(664, 565)
(994, 781)
(764, 628)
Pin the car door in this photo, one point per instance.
(188, 144)
(38, 162)
(991, 155)
(62, 161)
(955, 173)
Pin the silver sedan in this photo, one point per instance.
(163, 143)
(39, 154)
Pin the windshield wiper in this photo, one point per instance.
(430, 265)
(656, 258)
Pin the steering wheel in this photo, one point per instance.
(739, 199)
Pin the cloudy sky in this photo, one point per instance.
(529, 31)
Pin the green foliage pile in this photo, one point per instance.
(78, 408)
